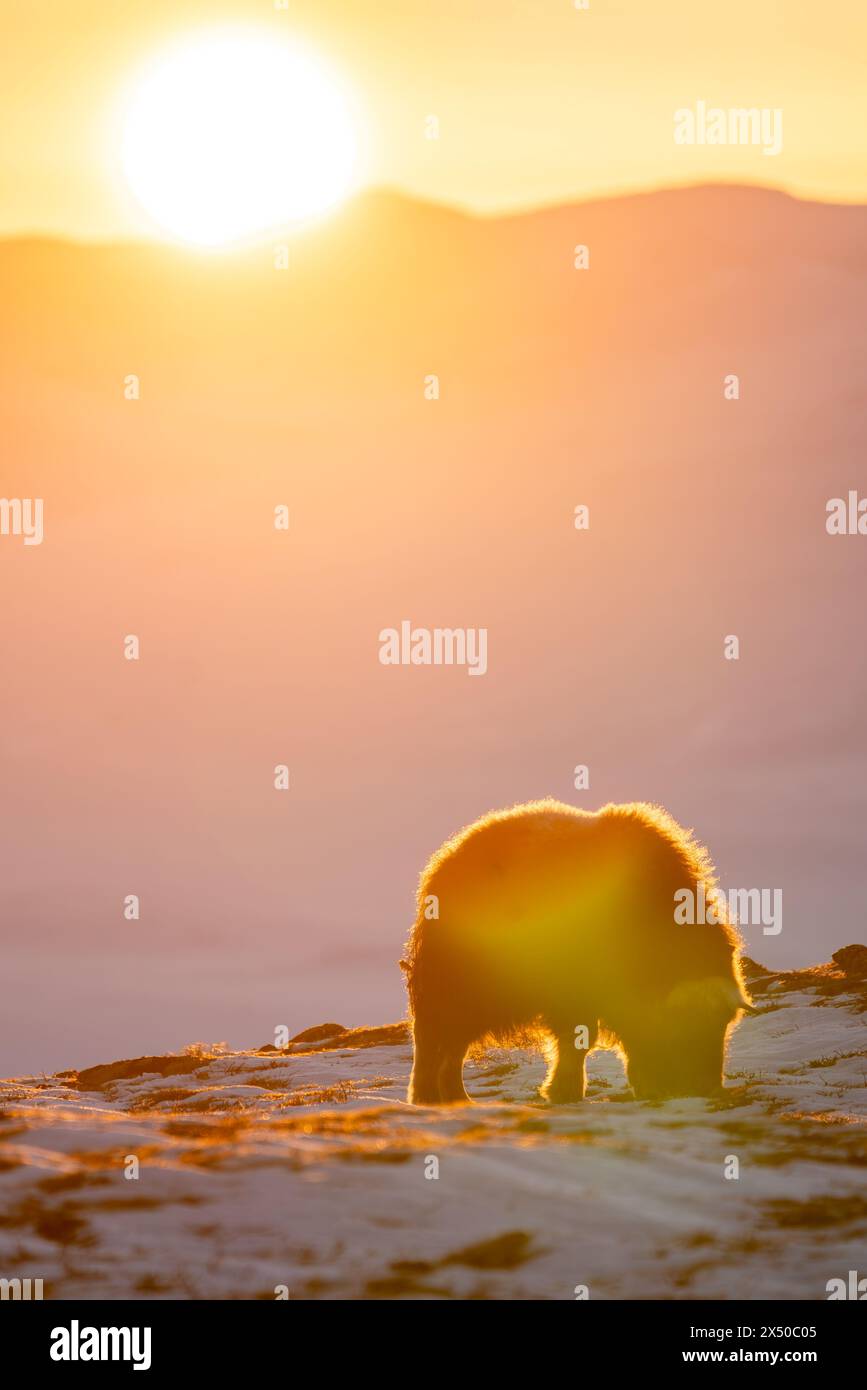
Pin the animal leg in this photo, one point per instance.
(451, 1075)
(564, 1084)
(437, 1071)
(424, 1082)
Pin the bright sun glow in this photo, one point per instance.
(234, 133)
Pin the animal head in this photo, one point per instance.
(679, 1048)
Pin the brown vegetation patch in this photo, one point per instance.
(507, 1251)
(71, 1182)
(825, 1212)
(338, 1094)
(62, 1223)
(163, 1095)
(223, 1129)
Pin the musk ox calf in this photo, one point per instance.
(549, 918)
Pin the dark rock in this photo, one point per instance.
(836, 976)
(852, 960)
(322, 1030)
(93, 1078)
(389, 1035)
(752, 970)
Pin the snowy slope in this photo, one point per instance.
(308, 1169)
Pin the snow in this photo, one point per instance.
(307, 1169)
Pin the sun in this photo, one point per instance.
(233, 133)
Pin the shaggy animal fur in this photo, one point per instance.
(548, 917)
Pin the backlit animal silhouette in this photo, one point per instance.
(550, 918)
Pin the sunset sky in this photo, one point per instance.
(537, 102)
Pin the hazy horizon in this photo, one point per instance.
(384, 192)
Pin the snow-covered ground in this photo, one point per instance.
(307, 1169)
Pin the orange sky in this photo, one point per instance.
(538, 102)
